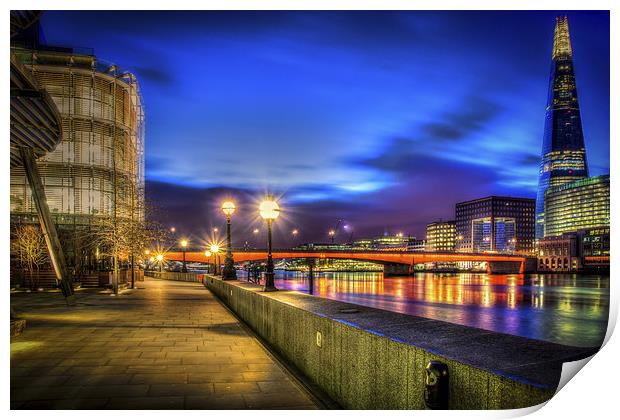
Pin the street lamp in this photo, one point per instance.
(332, 234)
(229, 273)
(160, 258)
(183, 247)
(214, 250)
(269, 210)
(208, 255)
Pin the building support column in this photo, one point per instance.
(57, 257)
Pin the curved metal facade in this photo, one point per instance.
(98, 167)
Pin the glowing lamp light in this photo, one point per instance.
(269, 210)
(160, 257)
(184, 243)
(332, 232)
(147, 252)
(152, 259)
(208, 254)
(228, 207)
(215, 229)
(295, 232)
(173, 229)
(255, 231)
(215, 248)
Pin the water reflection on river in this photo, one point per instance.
(563, 308)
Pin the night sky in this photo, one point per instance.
(382, 119)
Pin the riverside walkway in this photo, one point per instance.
(164, 345)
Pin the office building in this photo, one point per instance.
(441, 236)
(577, 205)
(495, 224)
(97, 169)
(584, 249)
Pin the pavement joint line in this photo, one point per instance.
(217, 330)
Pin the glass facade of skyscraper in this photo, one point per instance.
(578, 205)
(563, 151)
(441, 236)
(495, 224)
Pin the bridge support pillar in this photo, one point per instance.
(397, 269)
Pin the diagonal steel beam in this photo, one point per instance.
(47, 225)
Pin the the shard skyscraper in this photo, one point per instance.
(563, 151)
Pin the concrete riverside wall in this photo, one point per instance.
(176, 276)
(365, 369)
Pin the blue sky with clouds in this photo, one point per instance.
(383, 118)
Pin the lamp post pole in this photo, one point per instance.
(229, 272)
(215, 249)
(184, 246)
(269, 283)
(269, 210)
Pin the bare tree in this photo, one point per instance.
(31, 251)
(125, 236)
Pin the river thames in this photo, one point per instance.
(569, 309)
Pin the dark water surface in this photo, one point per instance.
(568, 309)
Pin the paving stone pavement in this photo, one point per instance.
(164, 345)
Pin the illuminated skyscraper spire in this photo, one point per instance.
(563, 151)
(561, 39)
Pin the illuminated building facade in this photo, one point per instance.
(416, 245)
(559, 253)
(495, 224)
(398, 241)
(563, 150)
(578, 205)
(595, 242)
(584, 249)
(97, 170)
(441, 236)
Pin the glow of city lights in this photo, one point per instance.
(215, 229)
(160, 257)
(152, 259)
(184, 243)
(215, 248)
(147, 251)
(332, 232)
(173, 229)
(228, 207)
(399, 234)
(269, 210)
(295, 232)
(208, 254)
(255, 231)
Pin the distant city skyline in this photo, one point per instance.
(382, 119)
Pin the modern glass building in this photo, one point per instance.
(441, 236)
(563, 150)
(577, 205)
(495, 224)
(97, 170)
